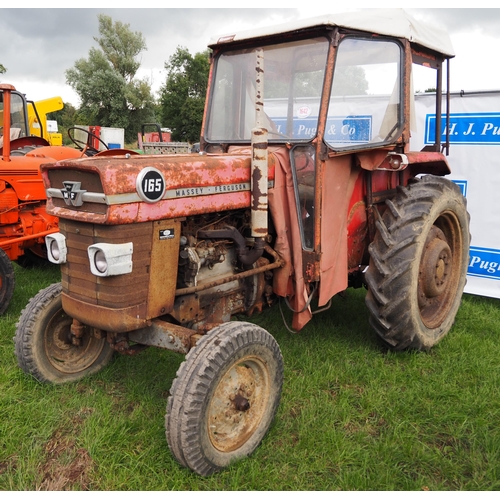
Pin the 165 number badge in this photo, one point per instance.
(150, 185)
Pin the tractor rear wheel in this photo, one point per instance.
(225, 397)
(45, 347)
(418, 264)
(7, 281)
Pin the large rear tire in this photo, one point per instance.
(44, 346)
(7, 281)
(418, 264)
(224, 398)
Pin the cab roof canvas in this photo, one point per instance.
(392, 22)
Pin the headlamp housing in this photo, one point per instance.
(56, 248)
(107, 259)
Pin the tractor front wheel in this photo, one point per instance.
(225, 397)
(418, 264)
(45, 347)
(7, 281)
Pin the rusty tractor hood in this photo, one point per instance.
(122, 190)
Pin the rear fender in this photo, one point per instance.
(418, 162)
(428, 162)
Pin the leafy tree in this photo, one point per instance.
(110, 94)
(182, 97)
(350, 80)
(3, 69)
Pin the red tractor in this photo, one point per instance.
(24, 222)
(305, 185)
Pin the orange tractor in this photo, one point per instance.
(24, 221)
(305, 185)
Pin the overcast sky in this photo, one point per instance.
(37, 46)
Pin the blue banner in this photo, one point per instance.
(484, 262)
(463, 187)
(466, 128)
(338, 129)
(348, 129)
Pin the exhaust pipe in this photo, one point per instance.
(258, 182)
(259, 173)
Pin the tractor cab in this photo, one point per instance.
(13, 115)
(334, 95)
(344, 82)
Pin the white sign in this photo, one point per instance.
(475, 165)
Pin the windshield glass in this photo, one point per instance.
(17, 116)
(293, 83)
(365, 101)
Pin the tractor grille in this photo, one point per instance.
(90, 182)
(112, 291)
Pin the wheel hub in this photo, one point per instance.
(62, 353)
(435, 267)
(61, 335)
(241, 403)
(435, 278)
(238, 404)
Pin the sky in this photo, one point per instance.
(37, 46)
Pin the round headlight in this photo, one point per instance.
(100, 261)
(54, 250)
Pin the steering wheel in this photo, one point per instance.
(84, 146)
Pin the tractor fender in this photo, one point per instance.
(419, 162)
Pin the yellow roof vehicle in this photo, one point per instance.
(37, 119)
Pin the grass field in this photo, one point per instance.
(352, 417)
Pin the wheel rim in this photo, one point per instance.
(440, 270)
(238, 404)
(62, 354)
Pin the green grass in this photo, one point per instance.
(352, 417)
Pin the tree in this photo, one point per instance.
(350, 80)
(3, 69)
(110, 94)
(182, 97)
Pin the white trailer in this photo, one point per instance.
(113, 137)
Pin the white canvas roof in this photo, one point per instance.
(392, 22)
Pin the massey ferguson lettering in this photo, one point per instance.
(201, 191)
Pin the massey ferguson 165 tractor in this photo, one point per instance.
(23, 220)
(305, 184)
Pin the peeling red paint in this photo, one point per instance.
(181, 172)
